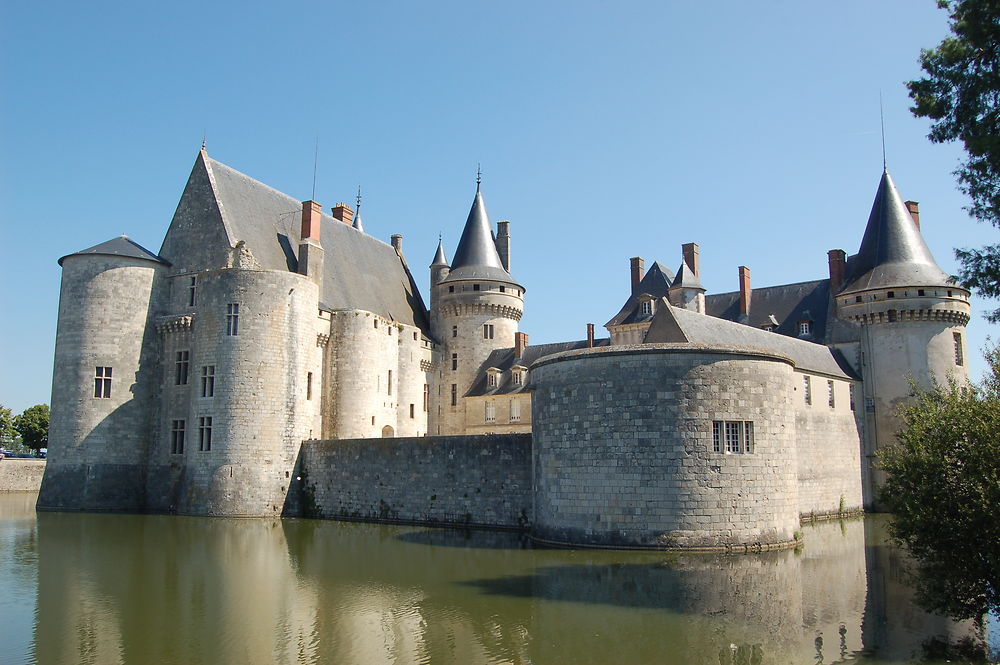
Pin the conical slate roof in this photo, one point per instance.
(439, 258)
(120, 246)
(893, 253)
(686, 279)
(476, 256)
(357, 221)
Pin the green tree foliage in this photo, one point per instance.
(7, 431)
(943, 488)
(33, 426)
(961, 94)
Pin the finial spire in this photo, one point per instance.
(204, 140)
(358, 199)
(479, 175)
(881, 117)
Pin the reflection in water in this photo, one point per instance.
(143, 589)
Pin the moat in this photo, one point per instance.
(104, 589)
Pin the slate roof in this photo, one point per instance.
(476, 256)
(360, 272)
(120, 246)
(656, 282)
(788, 303)
(503, 359)
(439, 258)
(893, 252)
(674, 324)
(686, 278)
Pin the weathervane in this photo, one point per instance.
(358, 199)
(479, 175)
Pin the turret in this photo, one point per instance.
(475, 307)
(910, 313)
(686, 290)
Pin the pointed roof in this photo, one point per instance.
(656, 282)
(439, 257)
(893, 253)
(686, 279)
(357, 221)
(120, 246)
(476, 256)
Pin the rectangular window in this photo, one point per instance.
(487, 331)
(732, 437)
(454, 331)
(516, 377)
(491, 380)
(454, 361)
(102, 382)
(829, 391)
(177, 437)
(850, 393)
(208, 381)
(454, 394)
(233, 319)
(389, 384)
(734, 430)
(716, 436)
(451, 289)
(181, 375)
(515, 411)
(804, 327)
(412, 409)
(309, 385)
(807, 390)
(748, 436)
(204, 433)
(959, 356)
(491, 412)
(475, 287)
(192, 291)
(427, 395)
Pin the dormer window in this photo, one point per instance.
(768, 328)
(492, 377)
(645, 307)
(805, 328)
(517, 373)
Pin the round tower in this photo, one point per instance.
(475, 308)
(103, 379)
(911, 315)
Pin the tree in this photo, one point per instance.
(943, 487)
(7, 431)
(33, 426)
(961, 94)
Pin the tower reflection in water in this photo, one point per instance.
(140, 589)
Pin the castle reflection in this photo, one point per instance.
(143, 589)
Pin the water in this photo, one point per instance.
(106, 589)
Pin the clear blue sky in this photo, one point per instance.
(605, 130)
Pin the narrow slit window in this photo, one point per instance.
(807, 390)
(959, 356)
(830, 396)
(454, 394)
(309, 385)
(192, 291)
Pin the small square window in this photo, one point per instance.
(451, 289)
(475, 287)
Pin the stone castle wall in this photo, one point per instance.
(458, 480)
(624, 450)
(21, 475)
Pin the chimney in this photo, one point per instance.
(690, 252)
(638, 268)
(914, 208)
(396, 240)
(744, 291)
(310, 246)
(590, 335)
(343, 212)
(837, 259)
(520, 341)
(503, 243)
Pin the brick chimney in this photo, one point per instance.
(520, 342)
(690, 252)
(343, 212)
(914, 209)
(744, 291)
(310, 246)
(837, 259)
(503, 243)
(590, 335)
(311, 213)
(637, 267)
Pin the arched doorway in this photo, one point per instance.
(387, 432)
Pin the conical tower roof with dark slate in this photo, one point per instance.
(120, 246)
(357, 221)
(476, 256)
(893, 253)
(439, 257)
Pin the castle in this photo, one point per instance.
(194, 380)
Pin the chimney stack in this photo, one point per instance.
(503, 243)
(344, 213)
(590, 335)
(638, 268)
(396, 239)
(744, 291)
(311, 214)
(310, 246)
(914, 208)
(520, 342)
(837, 259)
(690, 252)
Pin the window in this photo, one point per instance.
(454, 394)
(389, 383)
(427, 395)
(516, 377)
(454, 361)
(491, 412)
(451, 289)
(857, 298)
(414, 337)
(502, 289)
(475, 287)
(959, 357)
(454, 331)
(177, 437)
(515, 411)
(204, 433)
(181, 375)
(487, 331)
(233, 319)
(850, 394)
(804, 327)
(491, 380)
(309, 385)
(375, 321)
(807, 390)
(949, 294)
(829, 391)
(645, 306)
(192, 291)
(890, 294)
(891, 315)
(732, 437)
(208, 381)
(920, 292)
(412, 408)
(102, 383)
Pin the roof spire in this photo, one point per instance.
(204, 140)
(358, 199)
(479, 175)
(439, 258)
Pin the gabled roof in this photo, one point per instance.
(221, 206)
(504, 360)
(893, 252)
(120, 246)
(476, 256)
(656, 282)
(789, 304)
(686, 279)
(674, 324)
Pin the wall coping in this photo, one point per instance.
(672, 348)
